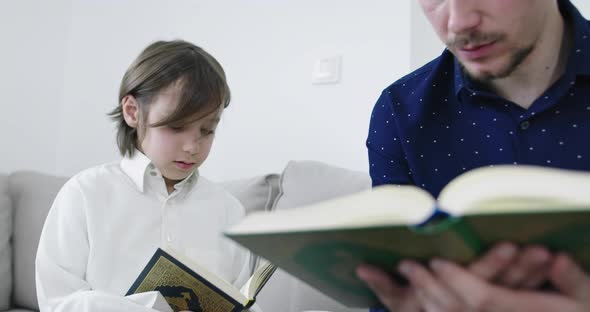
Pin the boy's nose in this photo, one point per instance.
(192, 145)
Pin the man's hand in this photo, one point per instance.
(452, 288)
(504, 264)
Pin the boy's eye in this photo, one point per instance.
(177, 128)
(207, 131)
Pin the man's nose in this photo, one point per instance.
(463, 16)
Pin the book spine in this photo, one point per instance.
(440, 222)
(460, 227)
(466, 232)
(249, 304)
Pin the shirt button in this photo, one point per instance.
(169, 238)
(525, 125)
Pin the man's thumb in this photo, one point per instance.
(569, 278)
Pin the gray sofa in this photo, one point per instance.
(25, 198)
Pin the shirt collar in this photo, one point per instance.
(460, 78)
(139, 167)
(135, 167)
(577, 63)
(580, 54)
(188, 181)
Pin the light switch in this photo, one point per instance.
(327, 70)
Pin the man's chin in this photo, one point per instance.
(484, 75)
(495, 68)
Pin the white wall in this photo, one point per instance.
(267, 48)
(34, 36)
(62, 62)
(425, 43)
(583, 6)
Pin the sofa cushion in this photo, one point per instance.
(256, 193)
(303, 183)
(5, 247)
(306, 182)
(32, 195)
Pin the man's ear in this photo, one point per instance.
(130, 109)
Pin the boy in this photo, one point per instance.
(107, 221)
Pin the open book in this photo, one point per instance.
(323, 243)
(187, 286)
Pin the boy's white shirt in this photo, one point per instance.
(106, 223)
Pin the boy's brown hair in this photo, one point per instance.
(202, 85)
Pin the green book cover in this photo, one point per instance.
(322, 244)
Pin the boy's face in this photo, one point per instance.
(177, 151)
(490, 38)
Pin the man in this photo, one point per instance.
(513, 87)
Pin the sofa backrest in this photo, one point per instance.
(32, 194)
(25, 200)
(5, 246)
(303, 183)
(255, 194)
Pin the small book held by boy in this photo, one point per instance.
(187, 286)
(323, 243)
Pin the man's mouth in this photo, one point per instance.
(474, 47)
(477, 51)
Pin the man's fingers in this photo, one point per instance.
(494, 262)
(427, 304)
(509, 266)
(390, 294)
(536, 279)
(570, 279)
(471, 289)
(482, 296)
(429, 289)
(529, 270)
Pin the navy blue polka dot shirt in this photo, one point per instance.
(435, 124)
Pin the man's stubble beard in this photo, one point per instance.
(516, 59)
(476, 38)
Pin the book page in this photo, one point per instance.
(384, 205)
(255, 283)
(519, 188)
